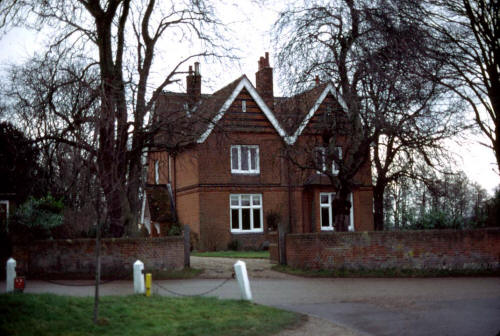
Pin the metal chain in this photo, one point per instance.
(102, 282)
(191, 295)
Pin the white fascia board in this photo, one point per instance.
(330, 88)
(244, 83)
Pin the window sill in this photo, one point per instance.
(247, 232)
(244, 172)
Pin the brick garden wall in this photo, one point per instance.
(75, 258)
(436, 249)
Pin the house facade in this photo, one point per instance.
(237, 178)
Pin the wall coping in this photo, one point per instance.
(106, 240)
(406, 232)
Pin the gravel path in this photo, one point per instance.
(222, 268)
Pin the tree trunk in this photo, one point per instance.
(378, 204)
(341, 208)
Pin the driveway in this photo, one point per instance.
(346, 306)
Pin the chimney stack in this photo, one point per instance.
(264, 81)
(193, 83)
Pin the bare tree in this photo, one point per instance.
(372, 55)
(435, 200)
(467, 35)
(124, 36)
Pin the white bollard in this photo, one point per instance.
(240, 268)
(11, 275)
(139, 278)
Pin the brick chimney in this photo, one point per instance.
(193, 83)
(264, 81)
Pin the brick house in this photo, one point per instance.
(234, 176)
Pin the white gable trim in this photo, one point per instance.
(244, 83)
(330, 88)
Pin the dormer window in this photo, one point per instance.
(321, 160)
(243, 106)
(328, 114)
(157, 172)
(186, 109)
(245, 159)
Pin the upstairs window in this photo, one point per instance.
(243, 106)
(245, 159)
(321, 160)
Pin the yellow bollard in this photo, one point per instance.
(149, 282)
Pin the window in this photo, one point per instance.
(157, 172)
(243, 106)
(321, 160)
(245, 159)
(246, 213)
(187, 110)
(326, 215)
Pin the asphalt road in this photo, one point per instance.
(441, 306)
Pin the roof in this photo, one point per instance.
(195, 123)
(291, 111)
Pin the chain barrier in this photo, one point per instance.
(92, 284)
(54, 282)
(155, 284)
(192, 295)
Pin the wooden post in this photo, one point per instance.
(187, 246)
(281, 244)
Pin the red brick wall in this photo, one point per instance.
(75, 258)
(188, 209)
(433, 249)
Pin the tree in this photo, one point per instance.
(18, 162)
(373, 56)
(435, 200)
(467, 33)
(124, 99)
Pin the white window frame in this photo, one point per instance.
(252, 207)
(243, 106)
(330, 227)
(322, 150)
(250, 170)
(157, 171)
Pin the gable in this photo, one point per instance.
(244, 83)
(329, 90)
(328, 107)
(245, 115)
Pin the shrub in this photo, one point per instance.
(36, 218)
(273, 220)
(175, 230)
(233, 245)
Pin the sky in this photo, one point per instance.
(251, 26)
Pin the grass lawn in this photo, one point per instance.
(233, 254)
(185, 273)
(48, 314)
